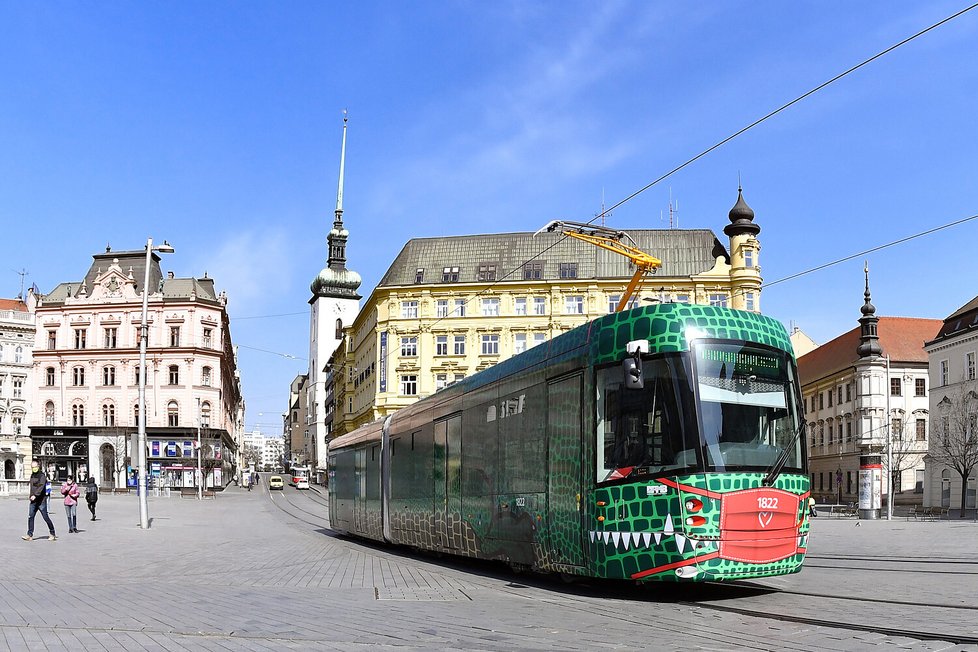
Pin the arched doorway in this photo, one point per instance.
(9, 470)
(107, 458)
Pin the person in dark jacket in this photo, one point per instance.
(38, 490)
(91, 495)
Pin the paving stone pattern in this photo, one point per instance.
(239, 573)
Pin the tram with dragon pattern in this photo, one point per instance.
(660, 443)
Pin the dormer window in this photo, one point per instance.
(450, 275)
(568, 270)
(419, 275)
(487, 272)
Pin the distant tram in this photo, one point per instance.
(300, 477)
(659, 443)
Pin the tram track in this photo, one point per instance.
(323, 520)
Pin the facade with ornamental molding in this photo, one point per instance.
(85, 376)
(16, 346)
(452, 306)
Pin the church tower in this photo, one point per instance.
(335, 304)
(745, 271)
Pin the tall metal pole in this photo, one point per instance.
(889, 447)
(200, 468)
(141, 436)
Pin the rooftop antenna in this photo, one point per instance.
(673, 211)
(603, 214)
(23, 274)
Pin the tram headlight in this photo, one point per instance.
(695, 520)
(693, 505)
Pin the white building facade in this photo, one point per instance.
(953, 367)
(86, 377)
(16, 354)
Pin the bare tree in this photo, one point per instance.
(906, 451)
(955, 442)
(251, 456)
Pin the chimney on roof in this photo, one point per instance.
(169, 275)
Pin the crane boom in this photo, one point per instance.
(611, 240)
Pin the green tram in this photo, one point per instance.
(659, 443)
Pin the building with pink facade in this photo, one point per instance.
(85, 376)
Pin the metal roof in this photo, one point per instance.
(684, 253)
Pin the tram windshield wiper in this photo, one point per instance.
(779, 463)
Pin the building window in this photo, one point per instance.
(920, 387)
(419, 275)
(111, 338)
(78, 415)
(613, 301)
(896, 429)
(441, 381)
(441, 345)
(487, 272)
(821, 401)
(174, 375)
(490, 345)
(969, 363)
(460, 307)
(921, 429)
(52, 340)
(459, 345)
(449, 275)
(80, 336)
(945, 428)
(519, 343)
(539, 305)
(19, 354)
(174, 336)
(18, 387)
(533, 271)
(409, 385)
(896, 387)
(519, 306)
(457, 377)
(848, 431)
(441, 308)
(829, 395)
(49, 376)
(718, 300)
(682, 298)
(135, 378)
(208, 342)
(574, 305)
(568, 270)
(848, 392)
(409, 310)
(490, 307)
(78, 376)
(205, 415)
(172, 414)
(205, 377)
(748, 257)
(944, 373)
(108, 415)
(839, 401)
(409, 347)
(135, 415)
(831, 430)
(108, 376)
(749, 301)
(539, 338)
(49, 413)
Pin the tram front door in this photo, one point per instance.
(448, 481)
(564, 487)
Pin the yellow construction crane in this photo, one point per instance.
(610, 239)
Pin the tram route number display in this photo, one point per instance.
(744, 362)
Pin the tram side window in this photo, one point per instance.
(648, 430)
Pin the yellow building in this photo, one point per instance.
(450, 307)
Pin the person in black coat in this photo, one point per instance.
(91, 495)
(38, 490)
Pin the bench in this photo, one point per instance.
(120, 490)
(191, 492)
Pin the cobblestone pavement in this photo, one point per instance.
(260, 571)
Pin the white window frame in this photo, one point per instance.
(539, 305)
(409, 385)
(490, 344)
(409, 309)
(460, 307)
(458, 345)
(519, 306)
(574, 304)
(519, 343)
(441, 345)
(409, 346)
(441, 308)
(490, 307)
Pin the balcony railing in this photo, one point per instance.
(16, 315)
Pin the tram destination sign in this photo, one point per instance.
(748, 362)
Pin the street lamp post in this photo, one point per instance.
(141, 487)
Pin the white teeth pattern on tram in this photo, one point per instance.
(626, 540)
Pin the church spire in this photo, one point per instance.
(336, 280)
(869, 344)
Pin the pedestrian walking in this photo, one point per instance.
(37, 487)
(70, 491)
(811, 506)
(91, 495)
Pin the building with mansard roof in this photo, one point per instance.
(16, 347)
(85, 389)
(853, 397)
(451, 306)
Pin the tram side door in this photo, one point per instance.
(360, 493)
(447, 478)
(564, 483)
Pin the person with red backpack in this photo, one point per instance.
(70, 491)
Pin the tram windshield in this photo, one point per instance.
(747, 407)
(650, 430)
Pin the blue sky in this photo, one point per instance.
(217, 127)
